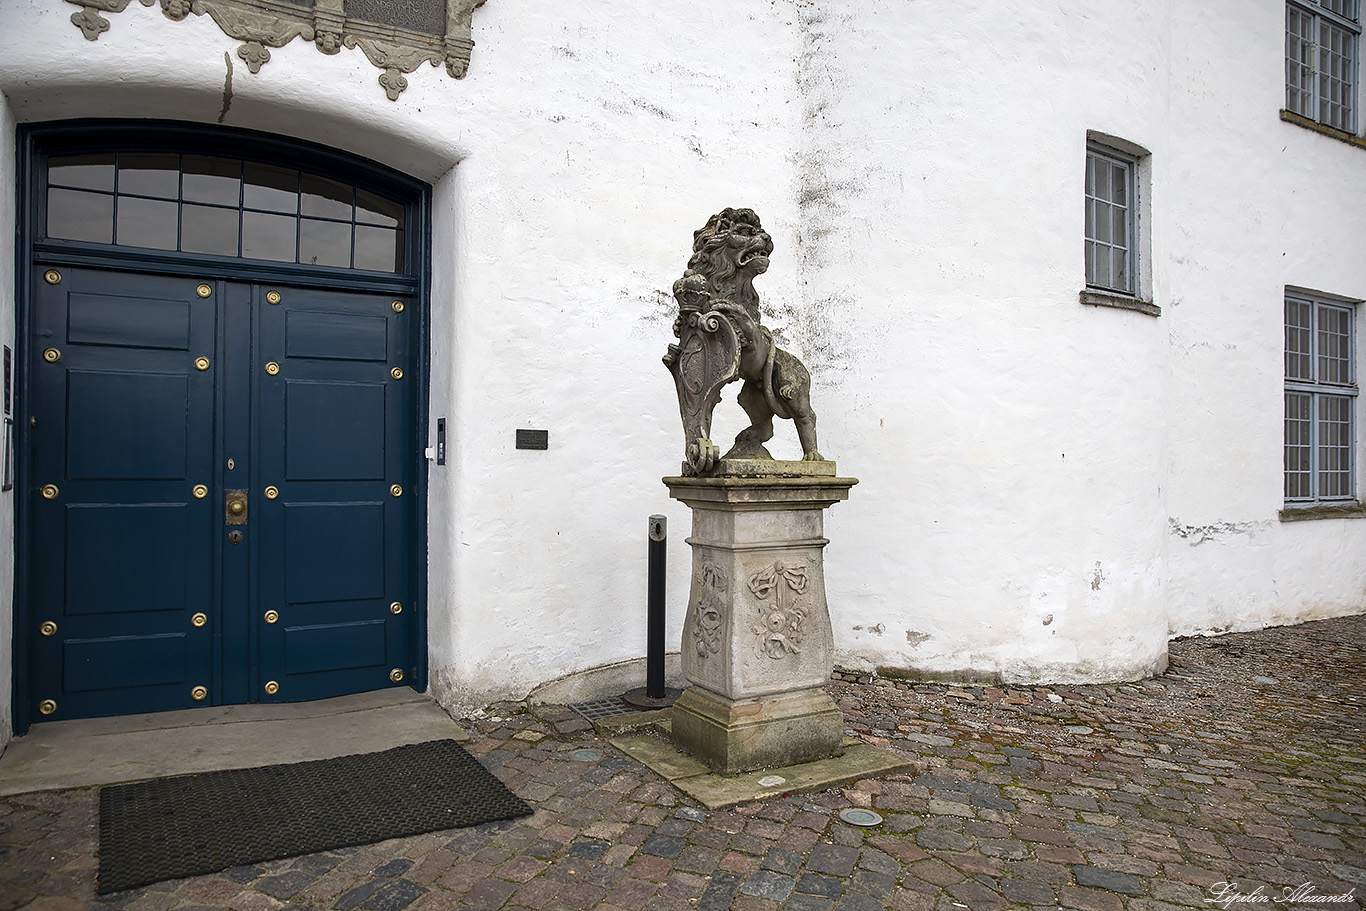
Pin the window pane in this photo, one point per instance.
(207, 229)
(215, 180)
(1335, 425)
(379, 249)
(1091, 277)
(376, 210)
(1298, 314)
(324, 243)
(146, 223)
(1119, 274)
(1119, 182)
(1335, 336)
(270, 188)
(1102, 189)
(326, 198)
(90, 172)
(1337, 52)
(1297, 451)
(1100, 226)
(150, 175)
(76, 215)
(1119, 226)
(268, 236)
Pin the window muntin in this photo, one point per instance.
(1322, 39)
(1320, 400)
(223, 207)
(1110, 220)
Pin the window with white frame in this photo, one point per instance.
(1322, 38)
(1320, 400)
(1111, 220)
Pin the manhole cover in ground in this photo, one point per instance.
(857, 816)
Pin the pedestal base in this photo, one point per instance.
(740, 736)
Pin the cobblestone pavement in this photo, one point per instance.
(1244, 764)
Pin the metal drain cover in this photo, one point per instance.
(857, 816)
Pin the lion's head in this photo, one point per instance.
(729, 251)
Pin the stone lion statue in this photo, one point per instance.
(721, 339)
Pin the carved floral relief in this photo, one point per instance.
(779, 629)
(710, 609)
(264, 24)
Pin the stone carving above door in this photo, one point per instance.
(397, 37)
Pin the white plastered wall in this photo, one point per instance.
(1010, 441)
(1045, 487)
(569, 170)
(1258, 205)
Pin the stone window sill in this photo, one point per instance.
(1303, 513)
(1300, 120)
(1096, 298)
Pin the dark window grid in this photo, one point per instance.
(1347, 9)
(1105, 209)
(1320, 399)
(241, 208)
(1322, 54)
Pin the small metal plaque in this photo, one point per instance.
(533, 439)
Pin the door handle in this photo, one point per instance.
(235, 507)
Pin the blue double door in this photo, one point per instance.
(221, 492)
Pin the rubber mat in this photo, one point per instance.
(193, 824)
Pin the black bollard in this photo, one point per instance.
(654, 694)
(654, 630)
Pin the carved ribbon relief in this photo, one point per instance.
(263, 24)
(779, 630)
(709, 609)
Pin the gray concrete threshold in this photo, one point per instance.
(98, 751)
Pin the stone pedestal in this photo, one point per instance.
(756, 638)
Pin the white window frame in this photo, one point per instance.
(1303, 426)
(1307, 53)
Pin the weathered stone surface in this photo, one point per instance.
(720, 340)
(756, 636)
(736, 736)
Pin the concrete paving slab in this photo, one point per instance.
(99, 751)
(713, 791)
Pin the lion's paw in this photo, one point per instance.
(813, 456)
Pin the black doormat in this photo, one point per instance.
(176, 827)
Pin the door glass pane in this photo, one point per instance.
(270, 188)
(149, 175)
(379, 249)
(324, 243)
(376, 210)
(215, 180)
(224, 207)
(147, 223)
(76, 215)
(268, 236)
(208, 229)
(90, 172)
(326, 198)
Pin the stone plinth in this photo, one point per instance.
(756, 638)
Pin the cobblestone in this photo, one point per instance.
(1130, 797)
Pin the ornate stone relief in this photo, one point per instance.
(393, 45)
(779, 629)
(710, 608)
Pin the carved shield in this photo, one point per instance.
(706, 358)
